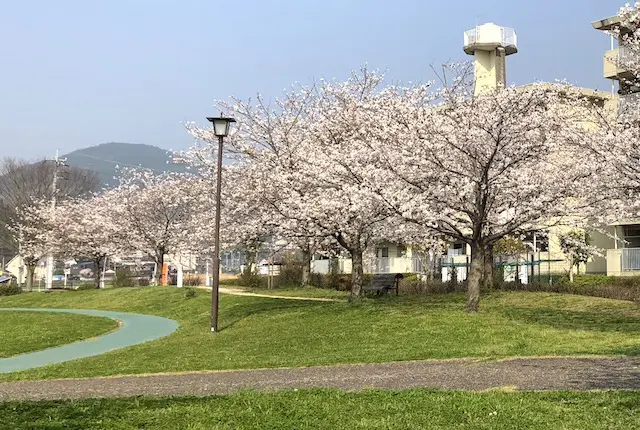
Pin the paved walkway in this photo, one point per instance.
(134, 329)
(514, 374)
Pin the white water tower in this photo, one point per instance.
(490, 44)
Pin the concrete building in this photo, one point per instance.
(623, 252)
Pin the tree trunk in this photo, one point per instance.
(431, 255)
(159, 263)
(249, 260)
(306, 267)
(356, 274)
(571, 268)
(97, 271)
(474, 277)
(31, 269)
(487, 273)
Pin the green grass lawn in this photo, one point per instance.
(332, 409)
(22, 332)
(262, 332)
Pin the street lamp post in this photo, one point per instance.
(221, 127)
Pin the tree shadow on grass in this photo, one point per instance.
(575, 320)
(235, 313)
(610, 374)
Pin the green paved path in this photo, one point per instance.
(135, 329)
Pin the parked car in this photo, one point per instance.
(8, 279)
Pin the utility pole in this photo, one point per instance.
(54, 192)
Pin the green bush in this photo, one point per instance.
(609, 287)
(143, 282)
(10, 290)
(85, 286)
(290, 273)
(124, 279)
(190, 293)
(250, 280)
(334, 281)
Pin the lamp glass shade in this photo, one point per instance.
(221, 127)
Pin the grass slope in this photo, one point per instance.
(330, 409)
(22, 332)
(262, 332)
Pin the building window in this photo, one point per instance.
(542, 242)
(401, 251)
(458, 248)
(631, 235)
(383, 252)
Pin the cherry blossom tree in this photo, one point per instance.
(156, 214)
(476, 169)
(85, 228)
(32, 234)
(306, 160)
(577, 245)
(25, 191)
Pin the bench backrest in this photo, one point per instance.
(385, 279)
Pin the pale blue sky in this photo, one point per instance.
(76, 73)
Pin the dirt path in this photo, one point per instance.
(514, 374)
(240, 292)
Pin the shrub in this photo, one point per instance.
(230, 281)
(411, 285)
(190, 293)
(610, 287)
(250, 280)
(85, 286)
(290, 273)
(192, 281)
(143, 282)
(124, 279)
(334, 281)
(10, 290)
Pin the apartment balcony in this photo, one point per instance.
(612, 64)
(394, 265)
(623, 262)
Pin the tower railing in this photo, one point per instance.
(485, 35)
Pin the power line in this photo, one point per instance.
(117, 163)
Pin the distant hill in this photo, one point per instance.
(104, 159)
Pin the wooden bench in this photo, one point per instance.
(384, 282)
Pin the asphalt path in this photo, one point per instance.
(560, 373)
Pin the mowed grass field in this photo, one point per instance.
(332, 409)
(264, 332)
(22, 332)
